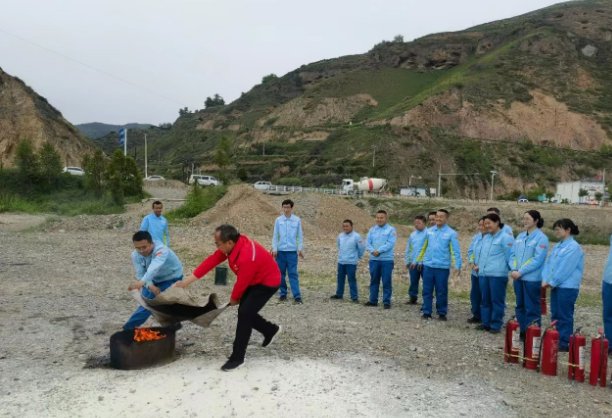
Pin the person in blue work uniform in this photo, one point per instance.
(157, 268)
(507, 228)
(380, 243)
(431, 217)
(287, 244)
(440, 252)
(530, 251)
(473, 258)
(156, 225)
(496, 254)
(606, 295)
(413, 249)
(350, 251)
(563, 274)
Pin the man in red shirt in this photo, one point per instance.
(258, 279)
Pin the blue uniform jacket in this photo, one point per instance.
(495, 255)
(288, 234)
(161, 265)
(157, 227)
(530, 253)
(508, 230)
(415, 245)
(608, 270)
(565, 265)
(381, 240)
(441, 249)
(474, 250)
(350, 248)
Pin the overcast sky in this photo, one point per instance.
(186, 50)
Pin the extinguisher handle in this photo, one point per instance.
(553, 323)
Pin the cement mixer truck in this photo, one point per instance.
(365, 184)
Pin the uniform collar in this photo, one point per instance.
(567, 242)
(382, 227)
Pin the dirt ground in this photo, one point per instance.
(64, 293)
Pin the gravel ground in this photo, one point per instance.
(64, 294)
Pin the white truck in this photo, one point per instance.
(365, 184)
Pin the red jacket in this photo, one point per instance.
(251, 262)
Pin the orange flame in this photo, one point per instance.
(145, 334)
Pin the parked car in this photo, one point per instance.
(204, 180)
(523, 201)
(154, 178)
(75, 171)
(263, 185)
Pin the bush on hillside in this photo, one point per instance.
(198, 200)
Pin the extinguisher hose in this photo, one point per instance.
(572, 360)
(540, 354)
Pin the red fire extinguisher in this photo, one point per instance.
(532, 346)
(599, 360)
(549, 350)
(543, 301)
(511, 348)
(576, 356)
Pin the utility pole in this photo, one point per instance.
(374, 147)
(493, 173)
(146, 157)
(440, 181)
(603, 179)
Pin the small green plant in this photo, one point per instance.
(198, 200)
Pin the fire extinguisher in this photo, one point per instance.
(543, 301)
(511, 348)
(549, 350)
(599, 360)
(532, 346)
(577, 345)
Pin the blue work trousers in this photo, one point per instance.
(347, 271)
(435, 280)
(141, 315)
(562, 302)
(493, 305)
(606, 295)
(381, 270)
(475, 296)
(288, 263)
(528, 308)
(415, 277)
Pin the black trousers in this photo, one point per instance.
(252, 301)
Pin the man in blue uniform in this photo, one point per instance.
(156, 225)
(380, 243)
(157, 268)
(287, 244)
(413, 249)
(350, 251)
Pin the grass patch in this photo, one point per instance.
(198, 200)
(65, 203)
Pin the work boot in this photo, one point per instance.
(298, 301)
(442, 318)
(232, 365)
(387, 306)
(474, 320)
(269, 340)
(336, 297)
(482, 328)
(355, 300)
(282, 299)
(426, 317)
(368, 303)
(494, 331)
(412, 301)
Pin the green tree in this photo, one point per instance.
(223, 157)
(582, 193)
(598, 196)
(269, 78)
(95, 172)
(242, 174)
(123, 178)
(184, 111)
(550, 196)
(398, 39)
(27, 162)
(215, 101)
(50, 162)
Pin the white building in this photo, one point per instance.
(418, 191)
(571, 191)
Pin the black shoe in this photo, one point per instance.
(412, 301)
(563, 349)
(231, 365)
(482, 328)
(368, 303)
(355, 300)
(336, 297)
(494, 331)
(427, 317)
(442, 318)
(298, 301)
(387, 306)
(269, 340)
(282, 299)
(474, 320)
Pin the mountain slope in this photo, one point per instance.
(97, 130)
(25, 114)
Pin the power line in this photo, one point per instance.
(90, 67)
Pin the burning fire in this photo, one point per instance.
(145, 334)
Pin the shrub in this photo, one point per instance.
(198, 200)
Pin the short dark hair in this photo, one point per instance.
(347, 221)
(494, 217)
(494, 210)
(447, 213)
(227, 233)
(287, 202)
(382, 211)
(157, 202)
(567, 224)
(141, 236)
(432, 213)
(481, 219)
(420, 218)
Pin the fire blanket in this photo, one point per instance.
(175, 305)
